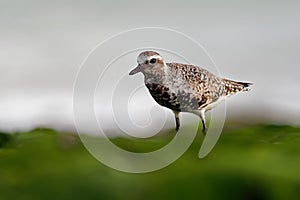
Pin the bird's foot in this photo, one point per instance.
(204, 131)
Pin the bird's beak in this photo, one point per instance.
(135, 70)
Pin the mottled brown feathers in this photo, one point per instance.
(234, 86)
(192, 87)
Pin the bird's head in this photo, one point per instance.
(149, 63)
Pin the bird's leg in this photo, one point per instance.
(202, 117)
(200, 113)
(176, 113)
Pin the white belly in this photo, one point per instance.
(214, 104)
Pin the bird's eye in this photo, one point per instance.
(146, 62)
(153, 60)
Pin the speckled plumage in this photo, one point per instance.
(183, 87)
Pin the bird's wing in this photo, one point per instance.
(208, 87)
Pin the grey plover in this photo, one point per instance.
(184, 87)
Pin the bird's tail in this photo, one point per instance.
(232, 87)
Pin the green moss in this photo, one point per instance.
(5, 139)
(257, 162)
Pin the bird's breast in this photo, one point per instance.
(163, 95)
(176, 100)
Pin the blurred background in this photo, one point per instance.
(42, 46)
(44, 43)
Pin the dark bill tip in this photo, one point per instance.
(135, 70)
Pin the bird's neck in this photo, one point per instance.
(158, 78)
